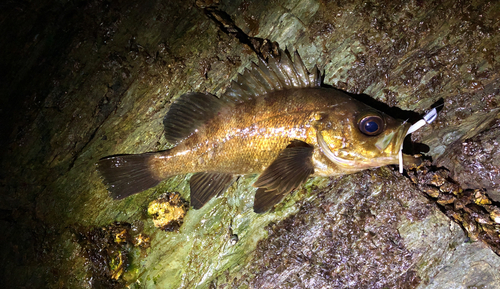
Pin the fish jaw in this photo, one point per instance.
(396, 143)
(387, 152)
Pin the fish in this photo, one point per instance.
(277, 120)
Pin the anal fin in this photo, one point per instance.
(290, 169)
(205, 186)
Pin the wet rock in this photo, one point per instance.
(94, 78)
(475, 162)
(109, 252)
(346, 237)
(471, 209)
(380, 233)
(467, 266)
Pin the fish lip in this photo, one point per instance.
(400, 138)
(392, 155)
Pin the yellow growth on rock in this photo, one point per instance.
(168, 211)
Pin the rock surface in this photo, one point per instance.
(87, 79)
(475, 161)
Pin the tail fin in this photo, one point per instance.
(126, 175)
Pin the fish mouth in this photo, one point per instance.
(389, 152)
(399, 139)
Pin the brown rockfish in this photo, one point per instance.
(275, 120)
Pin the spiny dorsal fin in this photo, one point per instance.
(192, 110)
(188, 113)
(276, 74)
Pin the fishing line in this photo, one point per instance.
(428, 118)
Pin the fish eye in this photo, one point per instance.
(371, 125)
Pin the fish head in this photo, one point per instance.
(360, 137)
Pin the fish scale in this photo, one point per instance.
(237, 142)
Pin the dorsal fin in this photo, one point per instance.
(276, 74)
(188, 113)
(192, 110)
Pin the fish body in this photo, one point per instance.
(247, 138)
(275, 120)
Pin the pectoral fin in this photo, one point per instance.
(290, 169)
(205, 186)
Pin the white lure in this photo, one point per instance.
(428, 118)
